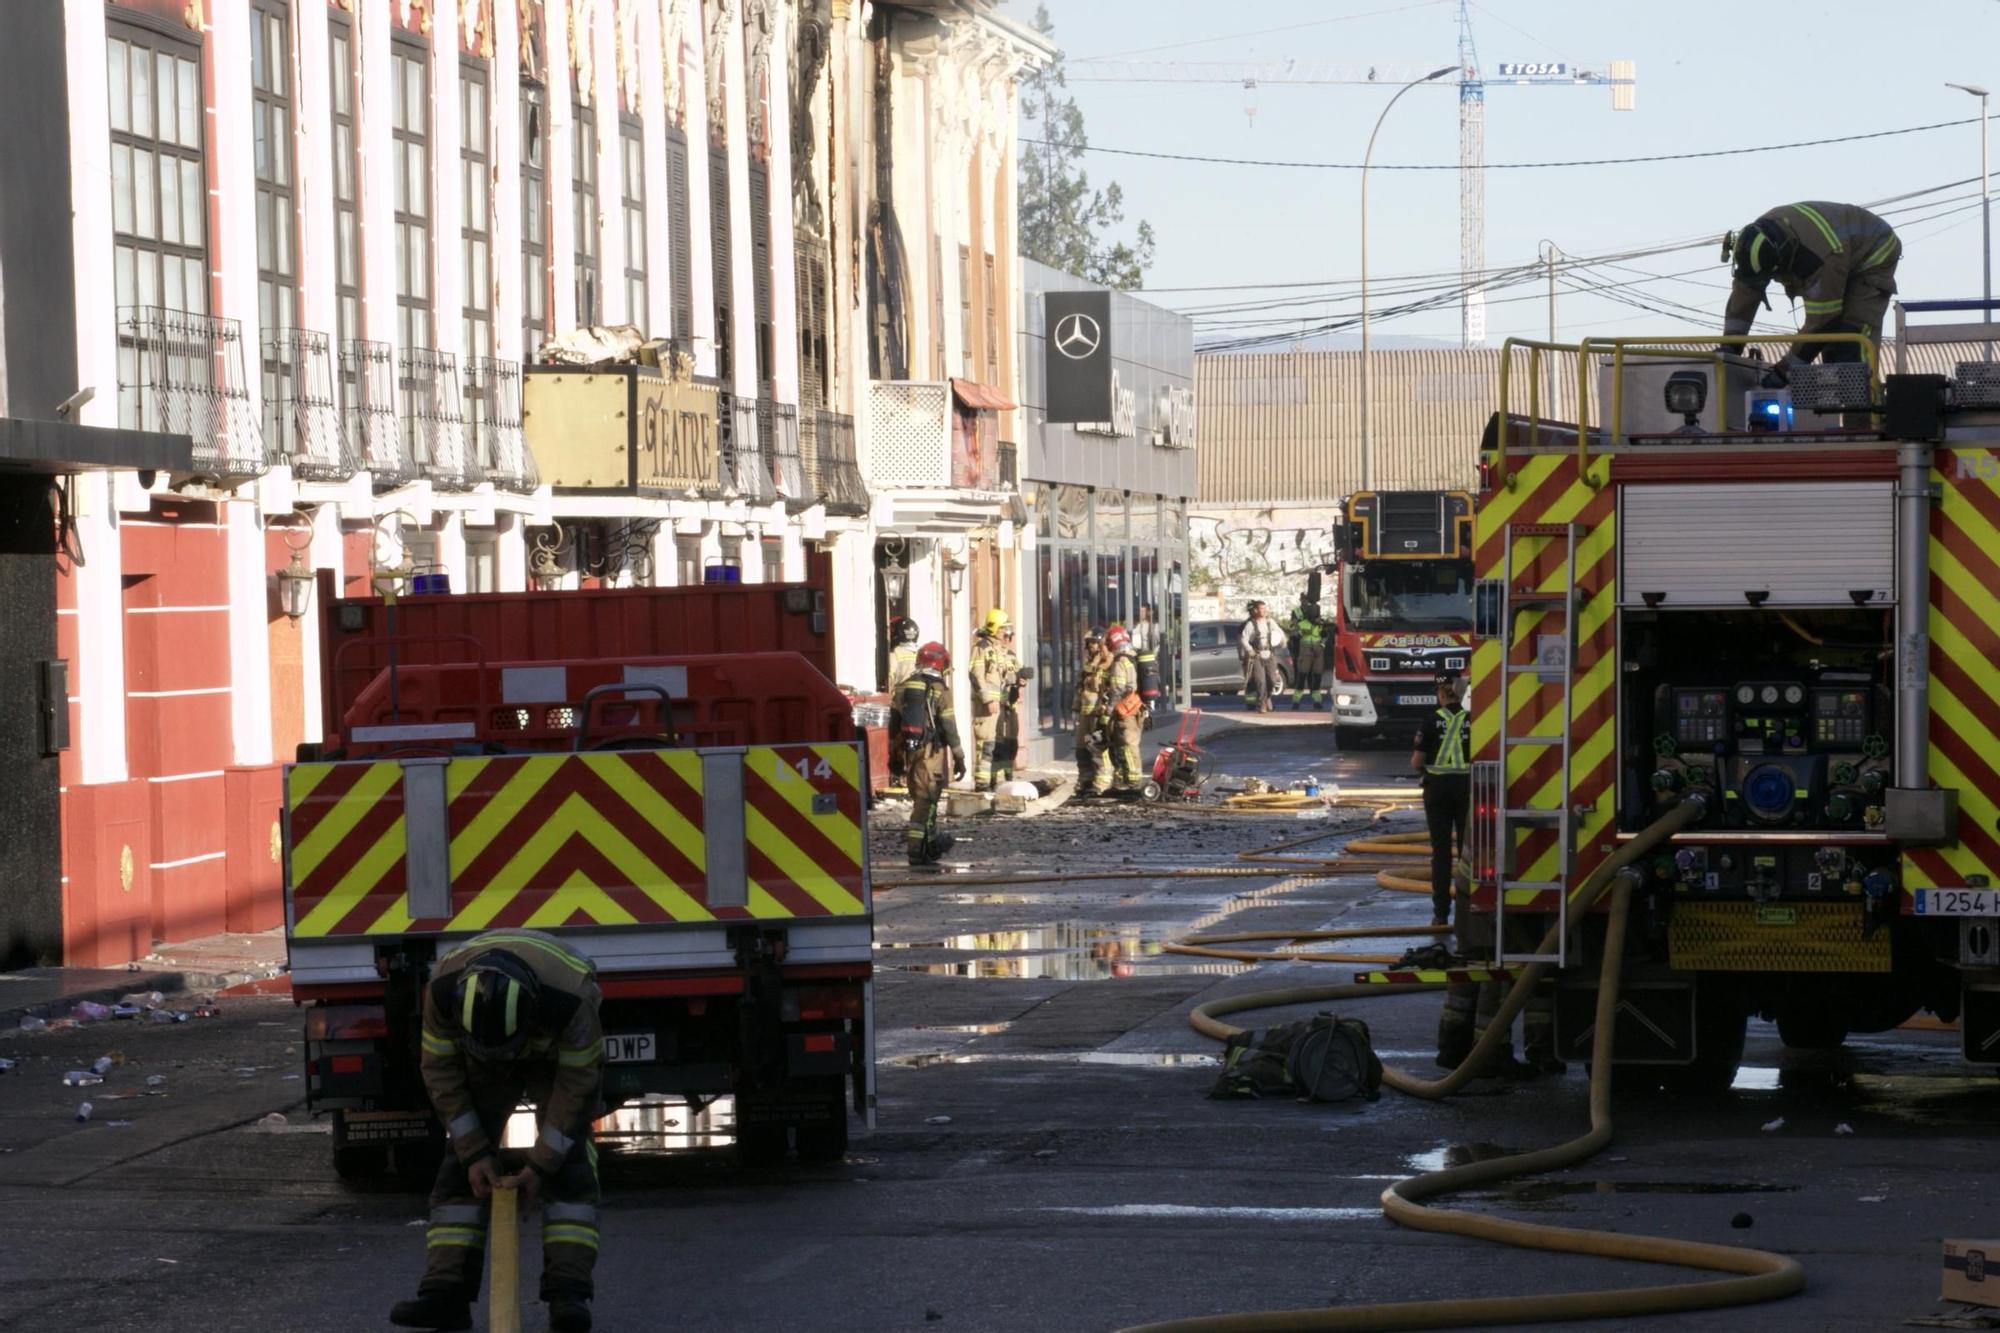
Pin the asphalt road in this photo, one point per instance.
(1045, 1157)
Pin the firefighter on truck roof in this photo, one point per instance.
(508, 1013)
(1839, 259)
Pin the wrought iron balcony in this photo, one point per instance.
(778, 435)
(182, 374)
(741, 466)
(493, 407)
(368, 406)
(833, 475)
(302, 422)
(434, 418)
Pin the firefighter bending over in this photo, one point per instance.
(508, 1014)
(1839, 259)
(928, 733)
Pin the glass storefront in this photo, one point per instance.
(1100, 555)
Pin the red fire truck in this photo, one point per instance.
(666, 779)
(1402, 606)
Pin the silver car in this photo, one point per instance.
(1214, 665)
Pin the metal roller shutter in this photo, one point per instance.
(1804, 543)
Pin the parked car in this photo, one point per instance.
(1213, 664)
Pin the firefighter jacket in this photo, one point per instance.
(1124, 679)
(1834, 244)
(1093, 685)
(565, 1050)
(925, 694)
(902, 664)
(992, 670)
(1259, 637)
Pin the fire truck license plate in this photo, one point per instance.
(1415, 700)
(630, 1048)
(1957, 902)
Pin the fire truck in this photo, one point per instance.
(1769, 613)
(1402, 606)
(668, 780)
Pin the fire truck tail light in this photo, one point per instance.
(811, 1004)
(347, 1022)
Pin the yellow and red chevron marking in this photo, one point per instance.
(1433, 976)
(1547, 489)
(1964, 667)
(802, 830)
(344, 826)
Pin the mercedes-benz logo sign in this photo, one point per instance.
(1078, 336)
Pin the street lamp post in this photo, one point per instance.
(1985, 200)
(1367, 367)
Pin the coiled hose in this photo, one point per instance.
(1758, 1275)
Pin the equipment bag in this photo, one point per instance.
(1323, 1059)
(1127, 706)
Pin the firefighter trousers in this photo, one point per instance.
(1124, 734)
(928, 771)
(996, 740)
(1471, 1006)
(456, 1240)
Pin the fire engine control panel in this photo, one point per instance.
(1774, 752)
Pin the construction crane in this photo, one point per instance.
(1618, 75)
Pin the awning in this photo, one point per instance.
(981, 397)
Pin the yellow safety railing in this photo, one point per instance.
(1682, 348)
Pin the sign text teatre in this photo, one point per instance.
(677, 434)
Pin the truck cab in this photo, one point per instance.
(1403, 591)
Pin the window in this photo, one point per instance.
(760, 269)
(632, 158)
(774, 559)
(534, 218)
(475, 166)
(718, 249)
(687, 560)
(965, 343)
(410, 124)
(583, 208)
(681, 252)
(271, 135)
(346, 175)
(992, 325)
(158, 194)
(159, 253)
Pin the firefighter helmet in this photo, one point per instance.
(496, 1002)
(1095, 634)
(904, 630)
(1762, 248)
(933, 657)
(1117, 639)
(997, 621)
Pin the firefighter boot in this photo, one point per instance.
(1501, 1062)
(436, 1309)
(569, 1314)
(1455, 1024)
(1538, 1036)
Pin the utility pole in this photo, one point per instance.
(1549, 256)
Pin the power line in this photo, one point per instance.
(1522, 166)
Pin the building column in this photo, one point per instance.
(249, 633)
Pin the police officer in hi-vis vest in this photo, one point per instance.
(1441, 756)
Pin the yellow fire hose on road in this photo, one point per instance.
(1757, 1275)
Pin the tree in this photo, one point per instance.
(1064, 222)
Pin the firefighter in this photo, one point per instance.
(1441, 757)
(1839, 259)
(903, 635)
(928, 733)
(995, 673)
(1257, 646)
(1093, 776)
(508, 1013)
(1309, 657)
(1124, 708)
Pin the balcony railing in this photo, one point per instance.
(182, 374)
(920, 438)
(434, 418)
(742, 470)
(302, 423)
(830, 460)
(368, 406)
(493, 407)
(778, 435)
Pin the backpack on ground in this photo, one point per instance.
(1321, 1059)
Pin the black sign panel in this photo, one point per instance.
(1077, 356)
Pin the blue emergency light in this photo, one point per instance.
(1771, 413)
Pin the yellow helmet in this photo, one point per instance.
(996, 620)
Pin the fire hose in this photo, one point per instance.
(1756, 1275)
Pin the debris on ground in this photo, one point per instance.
(1843, 1128)
(90, 1011)
(937, 1120)
(1779, 1123)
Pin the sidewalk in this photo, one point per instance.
(209, 964)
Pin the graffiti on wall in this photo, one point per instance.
(1230, 551)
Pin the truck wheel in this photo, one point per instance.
(825, 1141)
(1812, 1032)
(760, 1145)
(361, 1161)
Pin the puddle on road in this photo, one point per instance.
(1751, 1078)
(975, 1029)
(1448, 1155)
(1073, 950)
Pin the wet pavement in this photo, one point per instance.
(1046, 1157)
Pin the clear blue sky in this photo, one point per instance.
(1711, 74)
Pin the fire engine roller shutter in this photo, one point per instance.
(1805, 543)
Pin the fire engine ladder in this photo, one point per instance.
(1541, 662)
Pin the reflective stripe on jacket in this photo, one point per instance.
(1834, 244)
(1449, 757)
